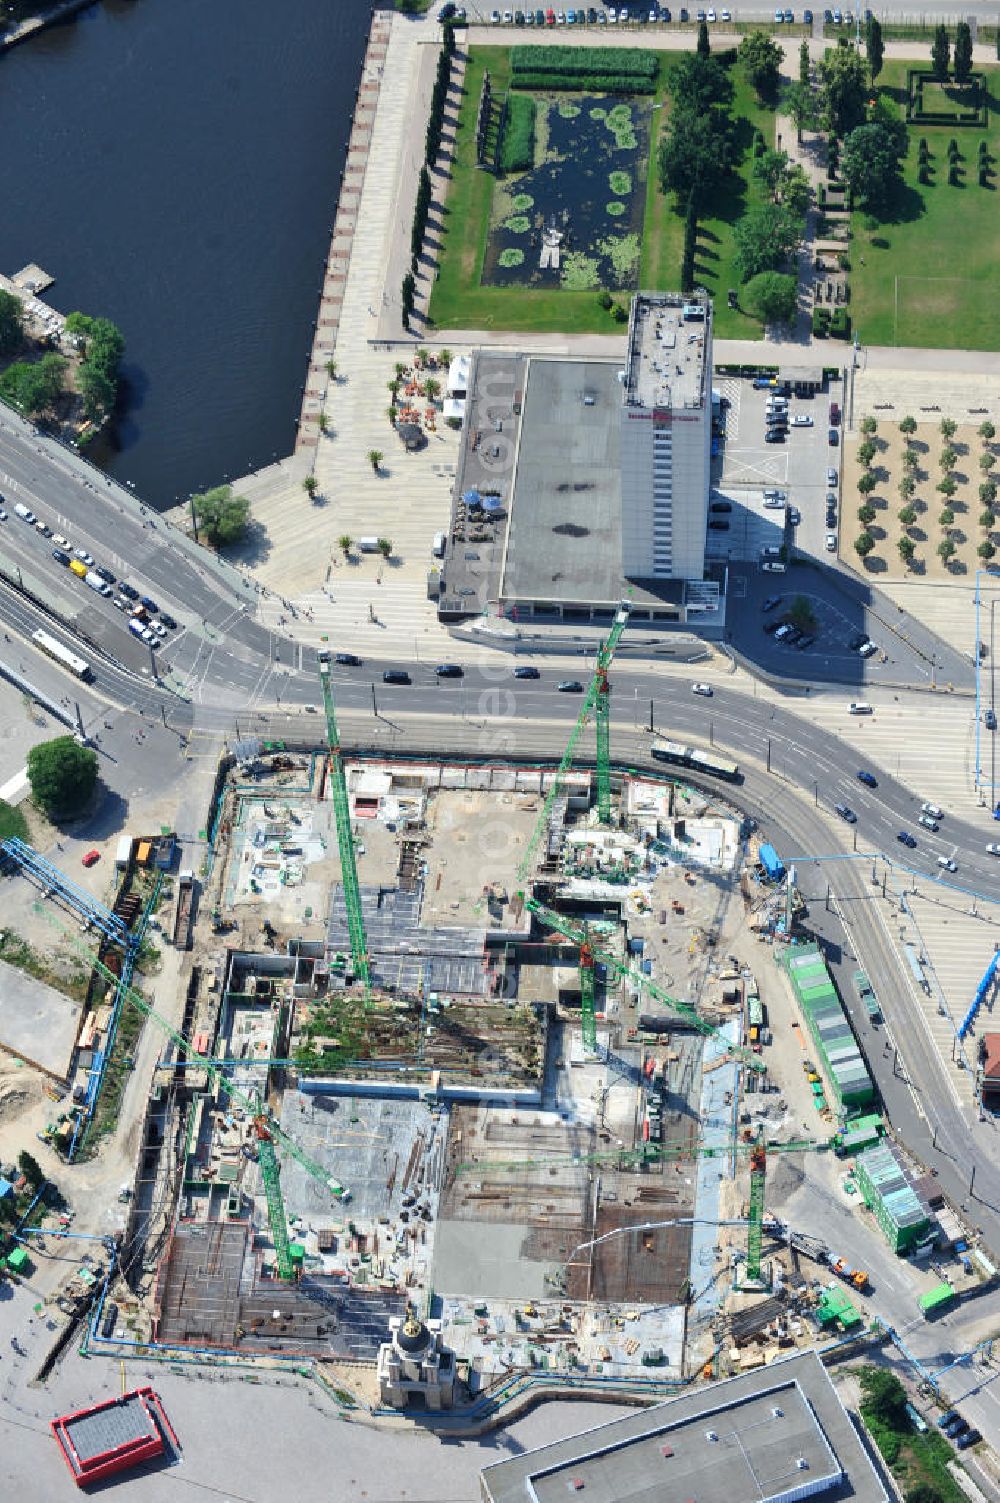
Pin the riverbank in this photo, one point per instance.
(32, 25)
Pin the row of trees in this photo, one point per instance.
(941, 55)
(11, 323)
(432, 146)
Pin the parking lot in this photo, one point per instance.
(751, 467)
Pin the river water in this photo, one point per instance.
(175, 165)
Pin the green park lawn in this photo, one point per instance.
(459, 301)
(930, 275)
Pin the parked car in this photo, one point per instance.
(91, 858)
(990, 720)
(770, 603)
(907, 839)
(717, 525)
(807, 17)
(150, 605)
(449, 670)
(395, 676)
(833, 438)
(84, 557)
(830, 542)
(129, 591)
(831, 476)
(60, 557)
(721, 506)
(346, 659)
(970, 1438)
(802, 420)
(774, 436)
(780, 496)
(106, 574)
(704, 689)
(794, 516)
(858, 640)
(805, 643)
(526, 671)
(171, 624)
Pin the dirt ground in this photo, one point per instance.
(927, 501)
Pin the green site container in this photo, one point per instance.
(296, 1252)
(934, 1299)
(18, 1261)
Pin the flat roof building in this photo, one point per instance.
(776, 1435)
(888, 1193)
(582, 481)
(114, 1436)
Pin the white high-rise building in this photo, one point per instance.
(666, 436)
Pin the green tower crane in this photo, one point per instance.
(755, 1229)
(580, 936)
(270, 1174)
(595, 694)
(345, 837)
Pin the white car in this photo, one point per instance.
(60, 541)
(159, 628)
(711, 15)
(773, 505)
(84, 557)
(947, 864)
(802, 420)
(3, 515)
(705, 689)
(932, 810)
(993, 849)
(831, 542)
(725, 15)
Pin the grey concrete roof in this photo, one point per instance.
(107, 1429)
(666, 351)
(564, 535)
(668, 1452)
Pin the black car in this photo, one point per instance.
(449, 670)
(792, 635)
(347, 659)
(771, 602)
(957, 1426)
(129, 591)
(165, 620)
(807, 17)
(106, 574)
(60, 557)
(665, 13)
(858, 640)
(569, 686)
(591, 17)
(110, 1319)
(395, 676)
(721, 506)
(526, 672)
(806, 642)
(949, 1414)
(970, 1438)
(716, 525)
(771, 627)
(869, 780)
(150, 604)
(683, 15)
(831, 518)
(990, 720)
(774, 436)
(905, 838)
(846, 812)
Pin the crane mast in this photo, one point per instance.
(345, 837)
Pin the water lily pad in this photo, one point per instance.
(579, 272)
(615, 208)
(598, 113)
(511, 257)
(520, 224)
(568, 110)
(522, 201)
(621, 183)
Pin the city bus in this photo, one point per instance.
(78, 666)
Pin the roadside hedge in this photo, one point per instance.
(620, 62)
(518, 152)
(596, 83)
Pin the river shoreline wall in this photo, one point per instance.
(352, 180)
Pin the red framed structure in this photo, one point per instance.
(114, 1436)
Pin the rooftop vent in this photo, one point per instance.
(802, 1464)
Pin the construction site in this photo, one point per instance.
(535, 1111)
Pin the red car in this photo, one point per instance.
(91, 858)
(550, 18)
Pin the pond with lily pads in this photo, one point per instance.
(588, 183)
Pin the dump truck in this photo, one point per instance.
(856, 1277)
(185, 904)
